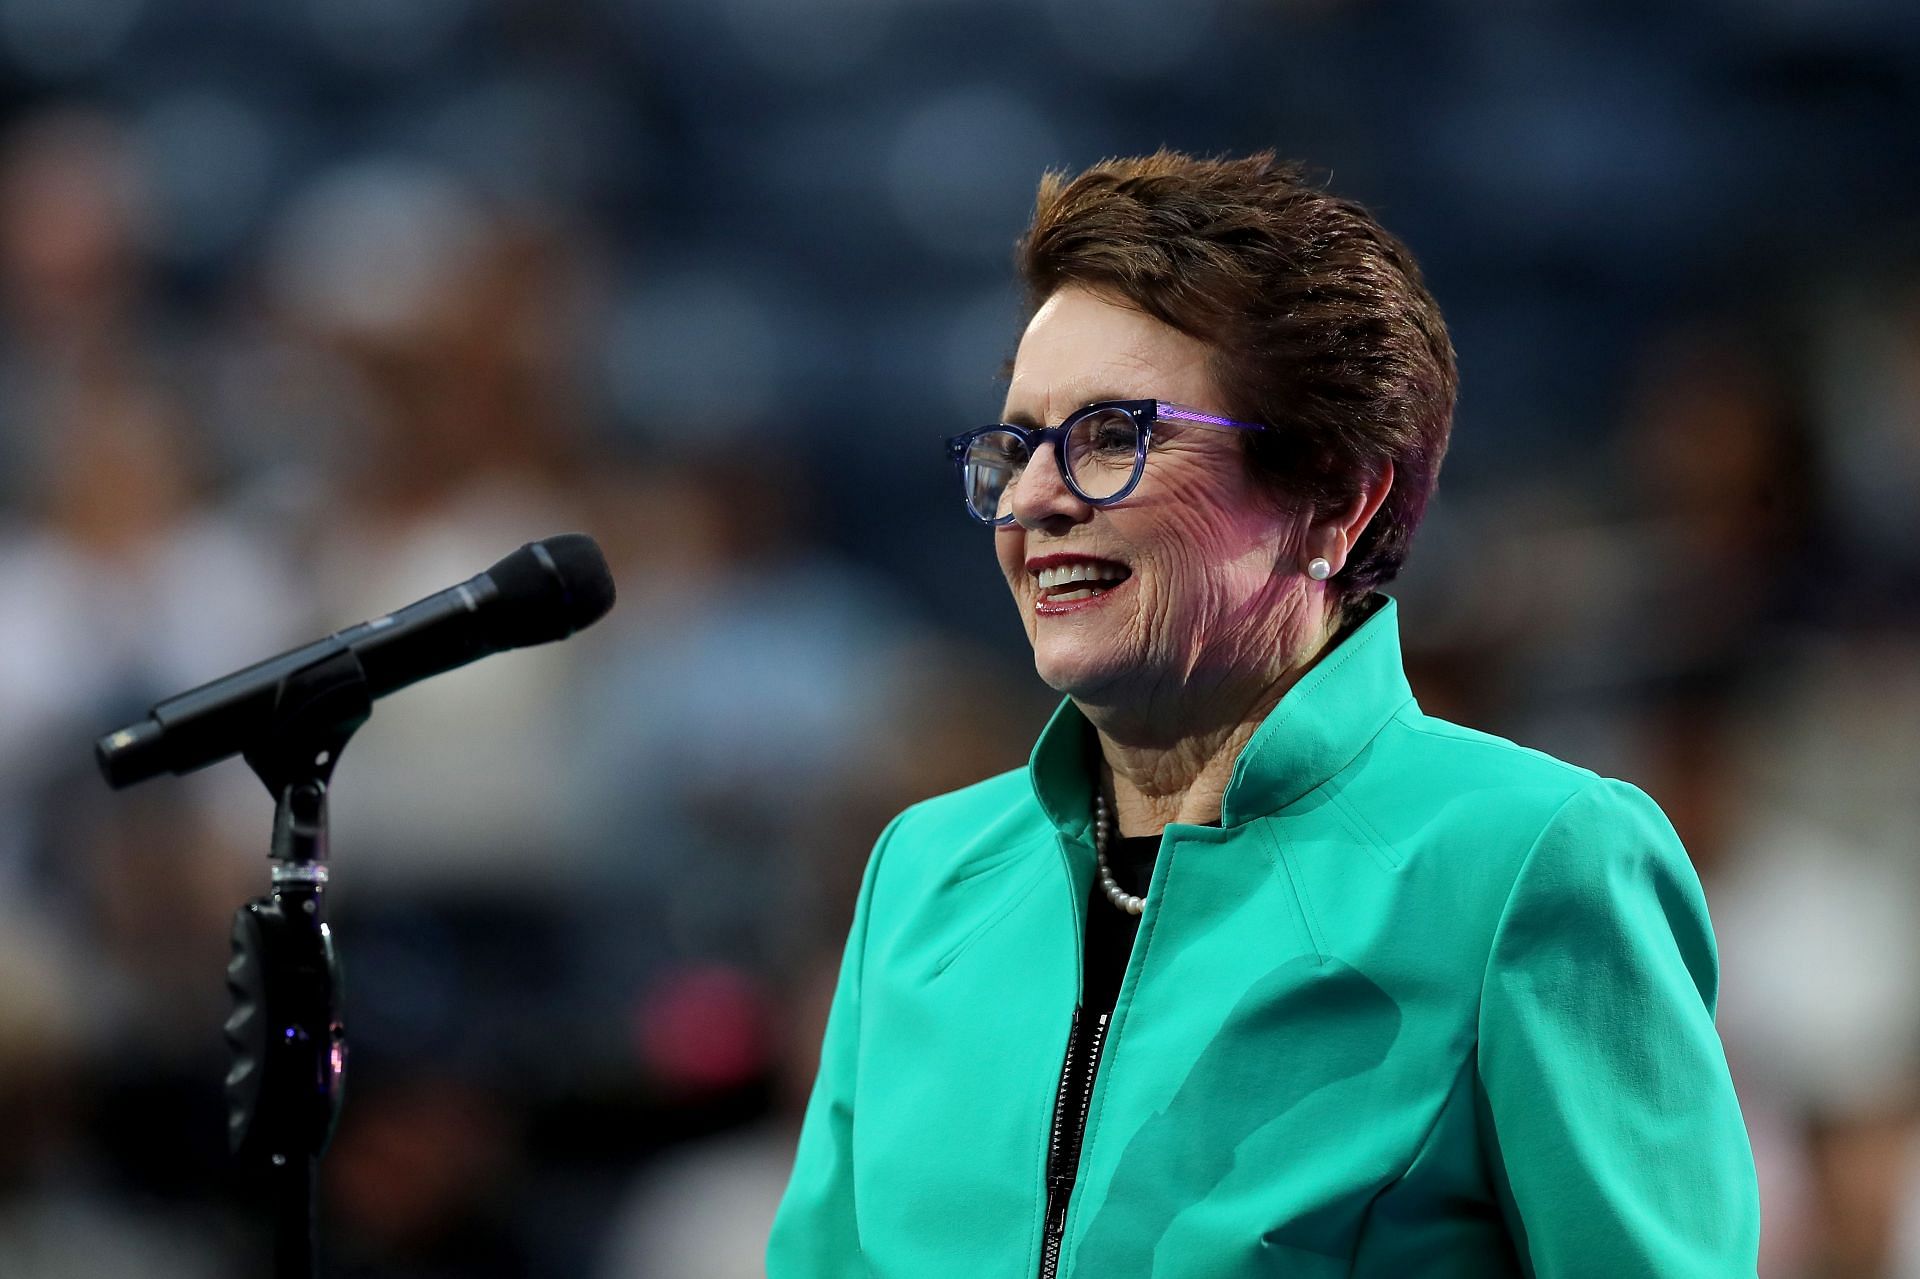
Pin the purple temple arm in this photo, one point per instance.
(1175, 413)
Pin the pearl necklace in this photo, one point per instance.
(1120, 897)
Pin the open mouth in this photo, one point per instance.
(1080, 580)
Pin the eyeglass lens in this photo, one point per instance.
(994, 461)
(1101, 452)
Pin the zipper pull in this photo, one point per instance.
(1057, 1188)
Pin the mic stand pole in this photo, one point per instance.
(289, 1048)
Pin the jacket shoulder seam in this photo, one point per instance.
(1473, 737)
(1366, 830)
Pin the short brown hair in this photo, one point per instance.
(1318, 320)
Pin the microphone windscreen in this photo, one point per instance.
(548, 590)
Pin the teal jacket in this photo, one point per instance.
(1425, 1005)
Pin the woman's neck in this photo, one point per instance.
(1152, 785)
(1161, 768)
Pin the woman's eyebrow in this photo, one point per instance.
(1015, 418)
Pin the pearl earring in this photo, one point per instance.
(1318, 569)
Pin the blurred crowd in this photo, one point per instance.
(308, 311)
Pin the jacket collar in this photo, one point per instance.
(1319, 726)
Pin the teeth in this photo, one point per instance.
(1061, 574)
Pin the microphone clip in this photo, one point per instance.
(316, 710)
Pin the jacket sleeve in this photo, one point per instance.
(815, 1234)
(1616, 1140)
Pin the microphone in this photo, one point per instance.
(544, 591)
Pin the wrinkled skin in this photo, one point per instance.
(1218, 618)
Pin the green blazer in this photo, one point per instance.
(1425, 1005)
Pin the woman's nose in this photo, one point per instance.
(1040, 496)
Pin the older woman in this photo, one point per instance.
(1256, 969)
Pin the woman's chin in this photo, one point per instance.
(1076, 670)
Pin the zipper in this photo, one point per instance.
(1070, 1107)
(1056, 1138)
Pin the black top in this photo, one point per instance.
(1110, 930)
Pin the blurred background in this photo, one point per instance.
(309, 309)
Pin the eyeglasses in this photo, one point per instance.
(1101, 450)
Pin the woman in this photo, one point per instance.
(1339, 988)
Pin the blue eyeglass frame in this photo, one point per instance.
(1145, 413)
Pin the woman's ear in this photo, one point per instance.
(1333, 536)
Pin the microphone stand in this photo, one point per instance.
(289, 1048)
